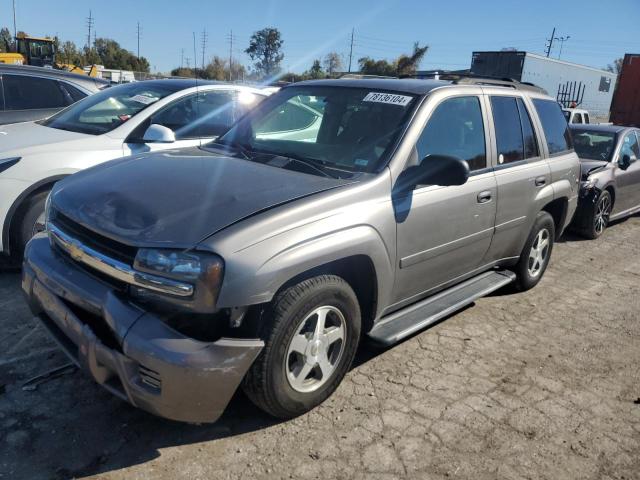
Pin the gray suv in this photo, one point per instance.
(337, 209)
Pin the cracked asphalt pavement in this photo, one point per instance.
(539, 385)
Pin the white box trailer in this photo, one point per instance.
(590, 88)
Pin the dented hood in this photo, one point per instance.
(177, 198)
(588, 167)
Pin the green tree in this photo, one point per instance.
(403, 65)
(408, 64)
(69, 53)
(109, 53)
(6, 40)
(332, 63)
(265, 48)
(315, 72)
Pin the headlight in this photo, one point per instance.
(47, 211)
(203, 270)
(588, 184)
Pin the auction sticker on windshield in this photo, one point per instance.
(143, 99)
(390, 98)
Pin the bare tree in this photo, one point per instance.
(332, 63)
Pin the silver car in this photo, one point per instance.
(335, 209)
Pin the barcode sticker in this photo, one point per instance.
(390, 98)
(143, 99)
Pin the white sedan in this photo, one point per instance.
(119, 121)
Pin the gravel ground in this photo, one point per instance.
(540, 385)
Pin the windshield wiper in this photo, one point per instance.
(242, 149)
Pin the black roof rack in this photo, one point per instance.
(474, 79)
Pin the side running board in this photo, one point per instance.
(401, 324)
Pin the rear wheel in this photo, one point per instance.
(536, 252)
(310, 341)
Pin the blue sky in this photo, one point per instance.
(599, 30)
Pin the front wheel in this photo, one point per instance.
(30, 223)
(310, 340)
(536, 252)
(598, 217)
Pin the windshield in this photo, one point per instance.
(108, 109)
(332, 129)
(594, 145)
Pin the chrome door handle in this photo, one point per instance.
(540, 181)
(484, 197)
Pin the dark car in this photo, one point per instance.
(610, 175)
(31, 93)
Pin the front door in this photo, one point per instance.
(628, 181)
(195, 119)
(443, 233)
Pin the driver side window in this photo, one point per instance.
(455, 129)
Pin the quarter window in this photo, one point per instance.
(30, 93)
(456, 129)
(556, 130)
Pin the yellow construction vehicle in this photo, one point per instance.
(40, 52)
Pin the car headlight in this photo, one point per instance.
(47, 211)
(203, 270)
(588, 184)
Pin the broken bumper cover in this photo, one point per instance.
(132, 353)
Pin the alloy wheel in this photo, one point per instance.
(315, 349)
(539, 253)
(603, 211)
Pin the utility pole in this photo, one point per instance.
(204, 45)
(15, 31)
(138, 31)
(351, 49)
(562, 40)
(181, 58)
(230, 54)
(550, 40)
(90, 21)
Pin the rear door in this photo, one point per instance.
(522, 174)
(443, 233)
(628, 181)
(31, 98)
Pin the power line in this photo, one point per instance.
(90, 22)
(550, 40)
(351, 49)
(203, 39)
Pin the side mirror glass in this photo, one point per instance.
(624, 161)
(159, 134)
(441, 170)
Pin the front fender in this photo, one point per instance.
(250, 286)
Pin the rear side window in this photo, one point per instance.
(554, 125)
(455, 128)
(586, 118)
(73, 92)
(577, 118)
(506, 119)
(29, 93)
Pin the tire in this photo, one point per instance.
(271, 382)
(529, 269)
(32, 213)
(598, 216)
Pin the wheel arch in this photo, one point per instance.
(14, 210)
(558, 209)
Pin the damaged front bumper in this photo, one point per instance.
(129, 351)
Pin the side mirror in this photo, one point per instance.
(440, 170)
(158, 134)
(624, 161)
